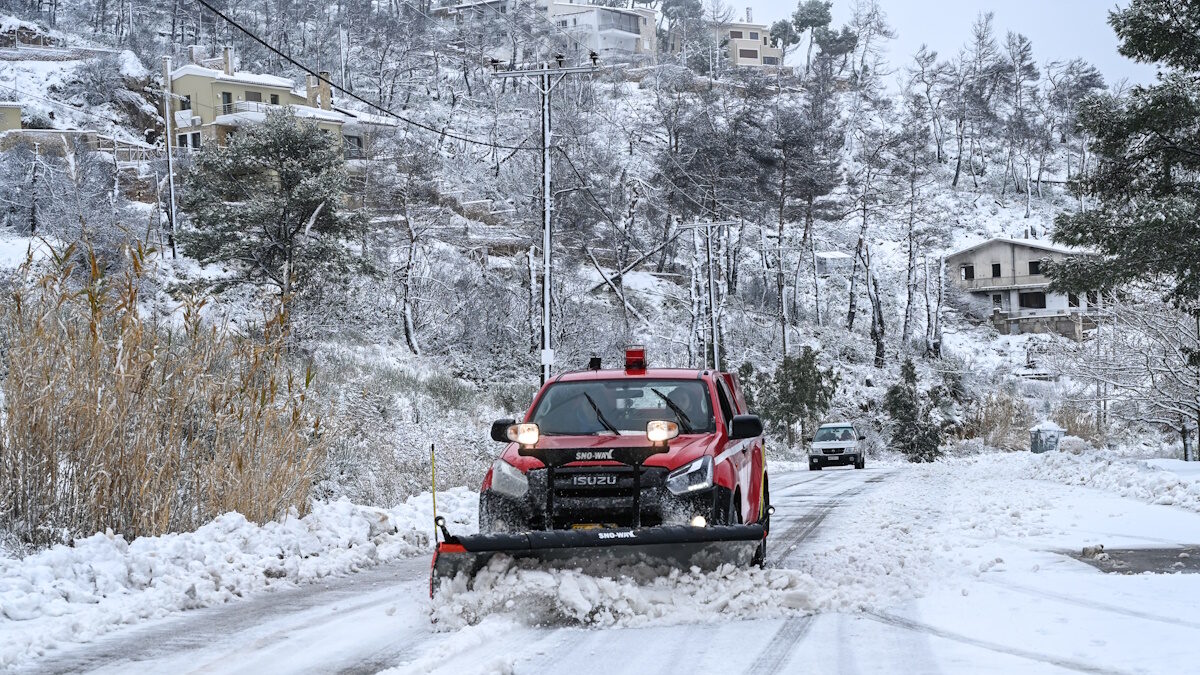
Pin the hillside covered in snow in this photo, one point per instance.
(410, 313)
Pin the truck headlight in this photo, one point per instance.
(508, 479)
(697, 475)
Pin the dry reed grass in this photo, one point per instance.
(114, 422)
(1001, 420)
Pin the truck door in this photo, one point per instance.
(738, 453)
(752, 480)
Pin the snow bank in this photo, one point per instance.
(73, 593)
(1169, 482)
(1156, 481)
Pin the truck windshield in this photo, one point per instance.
(600, 406)
(825, 434)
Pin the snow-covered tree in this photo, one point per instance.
(913, 433)
(270, 205)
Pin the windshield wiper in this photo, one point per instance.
(684, 420)
(599, 415)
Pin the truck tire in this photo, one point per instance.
(760, 553)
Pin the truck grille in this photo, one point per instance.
(600, 495)
(832, 451)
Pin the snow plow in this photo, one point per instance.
(658, 467)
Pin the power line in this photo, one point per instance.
(354, 96)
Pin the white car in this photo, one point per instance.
(836, 444)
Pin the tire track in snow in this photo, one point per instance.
(1068, 664)
(778, 649)
(808, 522)
(205, 631)
(1092, 604)
(288, 630)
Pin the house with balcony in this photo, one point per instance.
(210, 100)
(749, 44)
(1009, 275)
(607, 31)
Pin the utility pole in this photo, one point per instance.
(167, 144)
(546, 79)
(707, 226)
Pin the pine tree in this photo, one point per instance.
(811, 16)
(913, 434)
(800, 392)
(270, 205)
(1143, 206)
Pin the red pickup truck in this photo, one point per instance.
(666, 461)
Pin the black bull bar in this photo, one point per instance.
(599, 549)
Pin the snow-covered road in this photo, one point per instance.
(911, 569)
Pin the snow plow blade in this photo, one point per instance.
(679, 546)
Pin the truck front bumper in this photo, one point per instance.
(598, 496)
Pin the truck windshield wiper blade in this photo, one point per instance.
(684, 420)
(599, 415)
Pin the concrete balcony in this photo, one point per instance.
(1003, 282)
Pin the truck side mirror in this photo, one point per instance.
(862, 437)
(500, 429)
(746, 426)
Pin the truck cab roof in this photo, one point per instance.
(649, 374)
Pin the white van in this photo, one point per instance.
(836, 444)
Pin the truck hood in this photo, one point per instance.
(682, 449)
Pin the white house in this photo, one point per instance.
(1009, 274)
(607, 31)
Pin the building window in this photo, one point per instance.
(735, 35)
(770, 61)
(1033, 300)
(997, 299)
(995, 270)
(226, 102)
(1072, 300)
(274, 99)
(186, 103)
(968, 272)
(1093, 299)
(181, 141)
(254, 96)
(562, 24)
(753, 35)
(353, 146)
(195, 139)
(1035, 267)
(748, 54)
